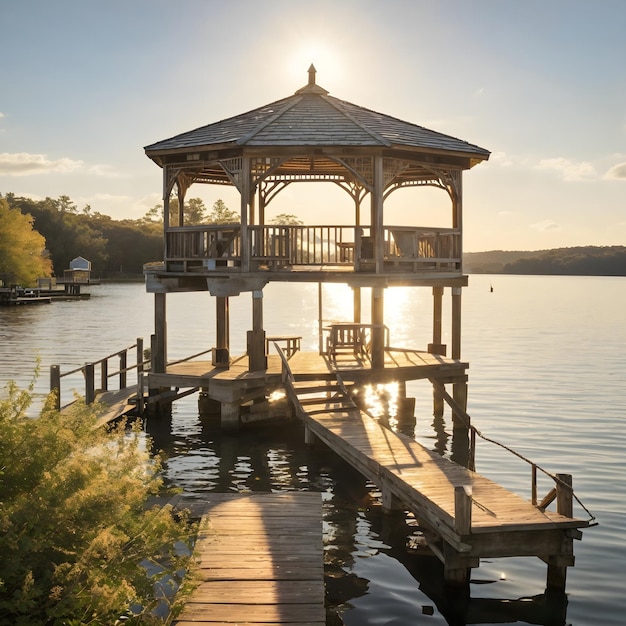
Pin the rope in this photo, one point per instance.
(467, 421)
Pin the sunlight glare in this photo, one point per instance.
(326, 60)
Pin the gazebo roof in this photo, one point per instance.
(312, 118)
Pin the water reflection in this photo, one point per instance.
(377, 567)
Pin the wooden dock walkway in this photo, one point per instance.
(261, 560)
(465, 515)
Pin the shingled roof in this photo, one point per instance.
(313, 118)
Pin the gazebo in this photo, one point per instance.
(310, 137)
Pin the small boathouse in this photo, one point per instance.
(310, 138)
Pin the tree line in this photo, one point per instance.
(576, 261)
(40, 237)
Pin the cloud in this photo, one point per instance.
(617, 172)
(505, 213)
(546, 226)
(1, 115)
(501, 158)
(25, 164)
(569, 170)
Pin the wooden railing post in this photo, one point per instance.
(533, 484)
(104, 374)
(564, 495)
(139, 355)
(463, 509)
(55, 385)
(123, 364)
(90, 387)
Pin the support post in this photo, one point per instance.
(356, 297)
(436, 347)
(159, 357)
(257, 360)
(378, 328)
(104, 374)
(55, 385)
(222, 318)
(139, 359)
(90, 387)
(230, 416)
(123, 365)
(377, 213)
(309, 437)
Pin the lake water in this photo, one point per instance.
(547, 376)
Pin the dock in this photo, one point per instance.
(465, 516)
(260, 560)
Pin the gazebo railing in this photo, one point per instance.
(216, 246)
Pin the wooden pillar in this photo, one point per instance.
(378, 328)
(356, 298)
(90, 387)
(456, 322)
(257, 360)
(180, 188)
(309, 437)
(377, 213)
(245, 202)
(230, 416)
(55, 385)
(221, 358)
(557, 564)
(436, 347)
(159, 357)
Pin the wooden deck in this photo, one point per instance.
(261, 560)
(466, 516)
(399, 365)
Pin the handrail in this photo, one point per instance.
(215, 246)
(562, 481)
(88, 370)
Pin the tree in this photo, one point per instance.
(221, 214)
(194, 212)
(287, 219)
(79, 544)
(23, 256)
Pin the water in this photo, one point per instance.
(547, 376)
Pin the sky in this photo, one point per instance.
(86, 84)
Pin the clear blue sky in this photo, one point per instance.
(85, 84)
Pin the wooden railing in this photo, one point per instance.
(562, 491)
(102, 365)
(216, 246)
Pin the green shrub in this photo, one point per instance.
(78, 543)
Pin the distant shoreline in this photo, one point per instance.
(580, 261)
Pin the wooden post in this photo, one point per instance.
(456, 322)
(356, 298)
(104, 374)
(463, 509)
(139, 355)
(257, 360)
(377, 213)
(230, 416)
(378, 329)
(222, 320)
(564, 495)
(159, 357)
(140, 404)
(309, 437)
(123, 365)
(90, 388)
(244, 190)
(55, 385)
(436, 347)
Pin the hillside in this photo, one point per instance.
(580, 261)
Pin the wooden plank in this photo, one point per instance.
(261, 560)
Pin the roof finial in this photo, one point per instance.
(312, 72)
(312, 87)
